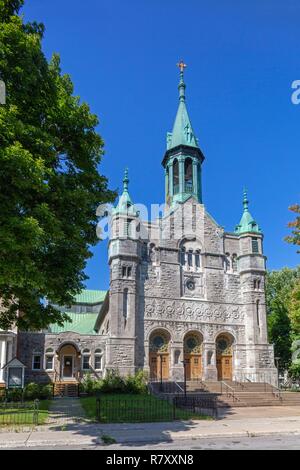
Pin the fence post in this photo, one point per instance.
(98, 409)
(36, 412)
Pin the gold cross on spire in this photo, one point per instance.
(181, 65)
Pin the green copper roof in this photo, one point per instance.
(125, 204)
(89, 296)
(182, 133)
(82, 323)
(247, 223)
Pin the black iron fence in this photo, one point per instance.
(151, 409)
(19, 413)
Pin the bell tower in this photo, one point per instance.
(183, 159)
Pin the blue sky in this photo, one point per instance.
(242, 59)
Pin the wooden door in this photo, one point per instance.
(68, 366)
(224, 367)
(159, 366)
(193, 366)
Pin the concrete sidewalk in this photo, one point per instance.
(247, 422)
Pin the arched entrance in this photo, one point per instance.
(68, 359)
(224, 356)
(159, 359)
(193, 355)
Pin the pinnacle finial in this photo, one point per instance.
(125, 180)
(245, 200)
(181, 85)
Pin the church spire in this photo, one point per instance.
(247, 223)
(125, 204)
(182, 133)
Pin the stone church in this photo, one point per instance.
(184, 293)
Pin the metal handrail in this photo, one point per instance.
(232, 393)
(277, 392)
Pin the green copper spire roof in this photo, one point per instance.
(247, 223)
(182, 133)
(125, 204)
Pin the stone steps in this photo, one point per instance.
(66, 389)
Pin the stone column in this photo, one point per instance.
(209, 368)
(167, 182)
(195, 176)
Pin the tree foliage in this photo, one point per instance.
(279, 289)
(294, 238)
(50, 186)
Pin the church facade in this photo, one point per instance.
(185, 295)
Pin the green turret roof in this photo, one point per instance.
(125, 204)
(182, 133)
(247, 223)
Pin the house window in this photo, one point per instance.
(257, 312)
(98, 359)
(129, 271)
(86, 359)
(36, 362)
(124, 271)
(49, 362)
(182, 257)
(254, 245)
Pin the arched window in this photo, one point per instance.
(197, 259)
(49, 359)
(182, 256)
(234, 262)
(125, 305)
(175, 177)
(254, 284)
(98, 359)
(86, 355)
(188, 175)
(190, 258)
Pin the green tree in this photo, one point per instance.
(50, 186)
(279, 288)
(295, 226)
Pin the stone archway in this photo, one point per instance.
(69, 362)
(224, 344)
(159, 355)
(192, 346)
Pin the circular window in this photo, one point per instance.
(158, 341)
(191, 343)
(190, 284)
(222, 344)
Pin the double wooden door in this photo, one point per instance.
(224, 367)
(193, 365)
(159, 366)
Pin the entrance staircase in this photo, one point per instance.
(66, 389)
(237, 394)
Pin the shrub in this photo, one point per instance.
(46, 392)
(32, 391)
(113, 382)
(14, 394)
(136, 383)
(90, 385)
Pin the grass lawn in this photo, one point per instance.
(14, 415)
(122, 408)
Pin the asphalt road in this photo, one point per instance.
(287, 442)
